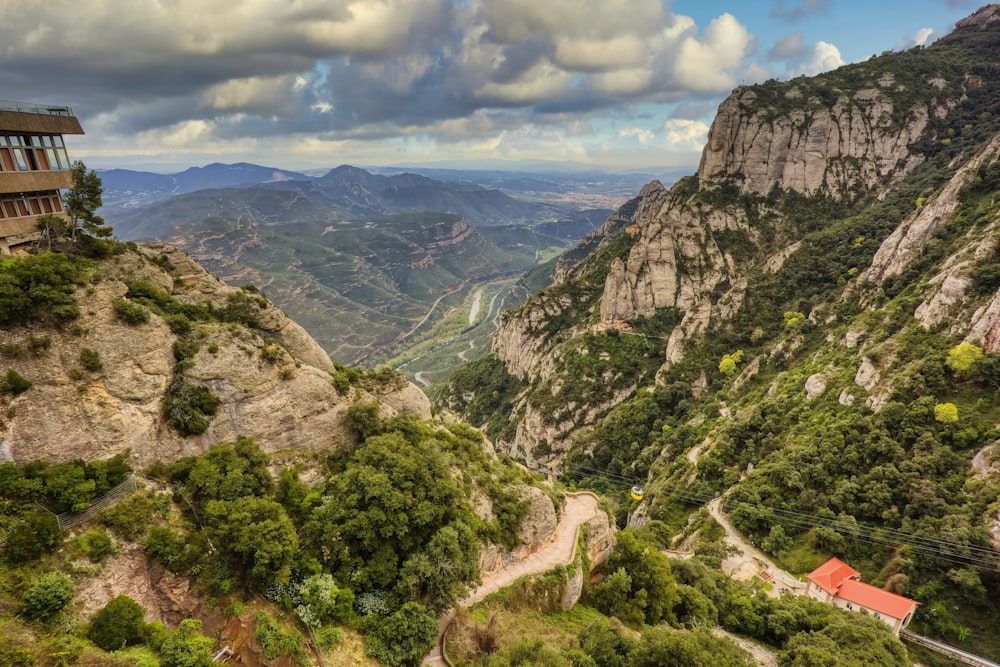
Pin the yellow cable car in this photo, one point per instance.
(636, 492)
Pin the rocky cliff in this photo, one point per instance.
(274, 382)
(811, 194)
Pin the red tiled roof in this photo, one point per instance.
(829, 575)
(876, 599)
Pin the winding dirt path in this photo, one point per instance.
(577, 510)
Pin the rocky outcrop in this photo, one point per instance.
(909, 238)
(537, 527)
(287, 404)
(675, 260)
(797, 141)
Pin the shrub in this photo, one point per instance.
(129, 518)
(963, 357)
(179, 324)
(130, 313)
(118, 624)
(168, 549)
(946, 413)
(14, 383)
(97, 545)
(185, 349)
(188, 408)
(402, 638)
(50, 593)
(36, 533)
(186, 646)
(90, 359)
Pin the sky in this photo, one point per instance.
(305, 84)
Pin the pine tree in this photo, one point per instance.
(82, 201)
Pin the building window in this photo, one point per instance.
(33, 152)
(850, 606)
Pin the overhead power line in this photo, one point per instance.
(950, 551)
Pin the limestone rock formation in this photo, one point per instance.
(289, 404)
(798, 141)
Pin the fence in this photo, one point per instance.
(71, 520)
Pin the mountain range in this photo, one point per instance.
(785, 330)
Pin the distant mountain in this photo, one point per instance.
(125, 188)
(357, 274)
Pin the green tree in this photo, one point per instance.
(53, 228)
(82, 201)
(963, 357)
(321, 600)
(402, 638)
(256, 532)
(664, 647)
(118, 624)
(727, 366)
(186, 646)
(946, 413)
(643, 587)
(36, 533)
(45, 598)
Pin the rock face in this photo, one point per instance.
(853, 145)
(288, 404)
(908, 239)
(536, 529)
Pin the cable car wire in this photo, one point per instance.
(950, 551)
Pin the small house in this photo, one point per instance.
(837, 583)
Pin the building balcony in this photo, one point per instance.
(27, 117)
(35, 181)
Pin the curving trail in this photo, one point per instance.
(577, 510)
(750, 559)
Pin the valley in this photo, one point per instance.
(733, 415)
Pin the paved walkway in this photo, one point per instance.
(577, 510)
(751, 560)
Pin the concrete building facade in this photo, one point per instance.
(34, 166)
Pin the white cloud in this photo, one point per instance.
(643, 136)
(709, 64)
(921, 37)
(807, 59)
(685, 135)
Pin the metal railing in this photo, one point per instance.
(956, 654)
(31, 107)
(71, 520)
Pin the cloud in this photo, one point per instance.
(329, 71)
(804, 59)
(685, 135)
(921, 37)
(643, 136)
(793, 12)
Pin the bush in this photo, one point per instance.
(90, 359)
(118, 624)
(97, 545)
(179, 324)
(130, 313)
(185, 349)
(14, 383)
(168, 549)
(402, 638)
(36, 533)
(50, 593)
(129, 518)
(188, 408)
(186, 646)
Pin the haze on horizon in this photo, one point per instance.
(300, 84)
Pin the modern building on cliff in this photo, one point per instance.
(34, 166)
(839, 584)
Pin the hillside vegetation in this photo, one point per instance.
(825, 359)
